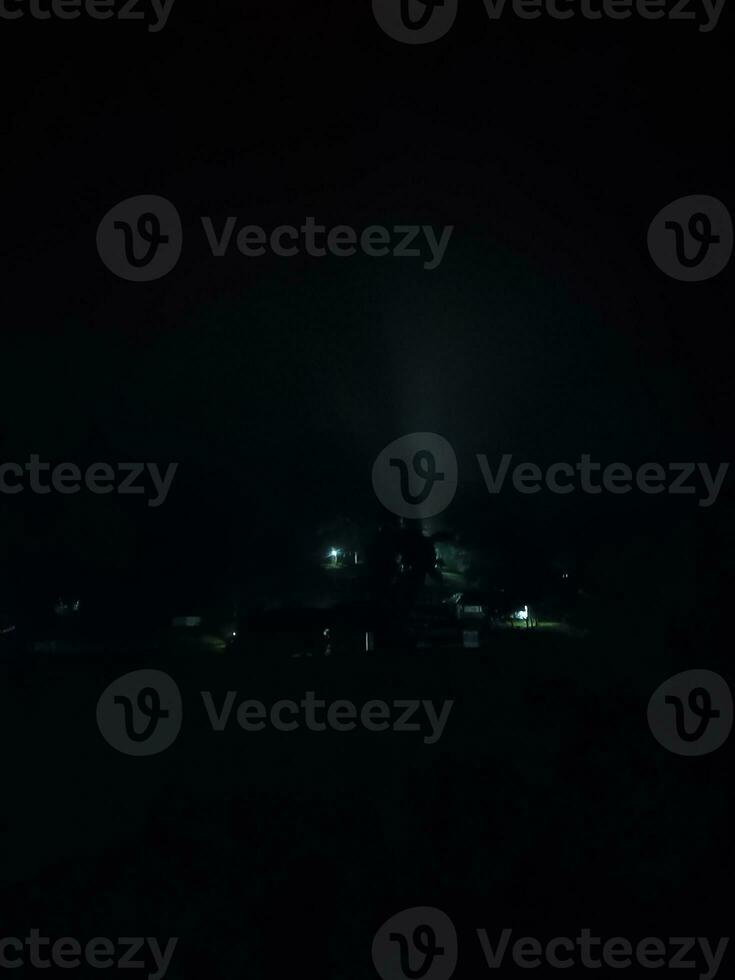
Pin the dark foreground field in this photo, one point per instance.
(546, 807)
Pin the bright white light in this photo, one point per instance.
(522, 613)
(234, 633)
(334, 553)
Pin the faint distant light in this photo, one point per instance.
(186, 621)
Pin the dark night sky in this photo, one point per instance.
(546, 332)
